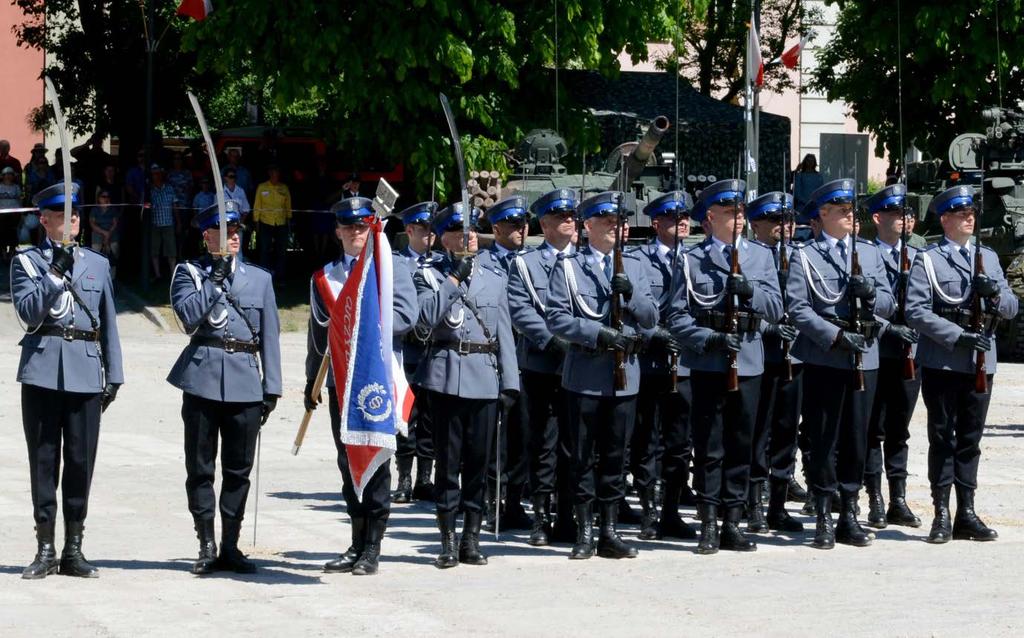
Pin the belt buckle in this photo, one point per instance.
(463, 347)
(229, 346)
(68, 333)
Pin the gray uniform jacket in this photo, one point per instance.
(659, 275)
(819, 265)
(473, 312)
(704, 290)
(773, 345)
(527, 303)
(403, 312)
(889, 347)
(412, 347)
(205, 311)
(953, 274)
(592, 372)
(496, 258)
(51, 361)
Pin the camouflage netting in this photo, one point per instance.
(711, 132)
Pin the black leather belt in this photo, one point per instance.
(635, 346)
(68, 333)
(716, 320)
(869, 328)
(467, 347)
(228, 345)
(962, 318)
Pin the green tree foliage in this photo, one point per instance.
(949, 65)
(375, 68)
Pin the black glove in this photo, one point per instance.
(508, 398)
(740, 286)
(269, 403)
(862, 288)
(608, 339)
(663, 339)
(62, 261)
(974, 341)
(850, 341)
(906, 334)
(109, 394)
(557, 345)
(723, 341)
(220, 270)
(782, 331)
(308, 400)
(462, 268)
(622, 286)
(985, 287)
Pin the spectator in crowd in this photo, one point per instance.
(205, 197)
(38, 175)
(351, 187)
(110, 182)
(8, 160)
(10, 197)
(104, 220)
(135, 180)
(267, 154)
(233, 191)
(272, 211)
(806, 180)
(180, 179)
(325, 193)
(162, 200)
(242, 175)
(90, 160)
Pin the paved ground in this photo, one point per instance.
(140, 534)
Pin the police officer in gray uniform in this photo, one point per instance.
(416, 255)
(778, 409)
(722, 417)
(509, 221)
(541, 355)
(469, 364)
(663, 409)
(600, 416)
(70, 371)
(944, 287)
(370, 513)
(823, 295)
(228, 308)
(896, 395)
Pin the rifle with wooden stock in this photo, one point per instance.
(977, 303)
(909, 368)
(732, 307)
(783, 278)
(855, 302)
(615, 312)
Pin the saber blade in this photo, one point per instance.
(457, 149)
(215, 167)
(65, 148)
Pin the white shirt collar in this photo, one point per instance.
(832, 241)
(550, 251)
(597, 255)
(500, 250)
(415, 255)
(958, 245)
(886, 247)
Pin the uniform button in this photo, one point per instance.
(232, 318)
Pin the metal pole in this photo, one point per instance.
(146, 216)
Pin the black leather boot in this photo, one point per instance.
(810, 507)
(942, 526)
(45, 562)
(967, 526)
(403, 494)
(207, 560)
(756, 524)
(513, 516)
(709, 540)
(899, 512)
(469, 545)
(367, 563)
(231, 559)
(609, 543)
(564, 529)
(584, 546)
(671, 524)
(424, 488)
(446, 524)
(72, 562)
(732, 538)
(824, 532)
(797, 494)
(649, 517)
(876, 504)
(344, 563)
(540, 535)
(779, 519)
(849, 531)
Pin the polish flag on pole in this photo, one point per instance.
(755, 64)
(791, 57)
(195, 9)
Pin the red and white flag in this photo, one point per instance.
(791, 57)
(755, 64)
(195, 9)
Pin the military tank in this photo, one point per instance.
(1002, 220)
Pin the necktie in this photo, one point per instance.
(967, 255)
(841, 245)
(895, 254)
(727, 251)
(606, 265)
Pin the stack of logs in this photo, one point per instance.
(484, 188)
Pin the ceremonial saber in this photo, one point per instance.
(256, 508)
(318, 384)
(65, 147)
(215, 167)
(497, 476)
(457, 148)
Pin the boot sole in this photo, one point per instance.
(940, 540)
(446, 564)
(823, 545)
(905, 523)
(963, 536)
(73, 574)
(707, 551)
(49, 572)
(852, 543)
(877, 524)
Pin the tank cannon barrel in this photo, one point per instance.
(634, 163)
(996, 113)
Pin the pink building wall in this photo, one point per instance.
(23, 90)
